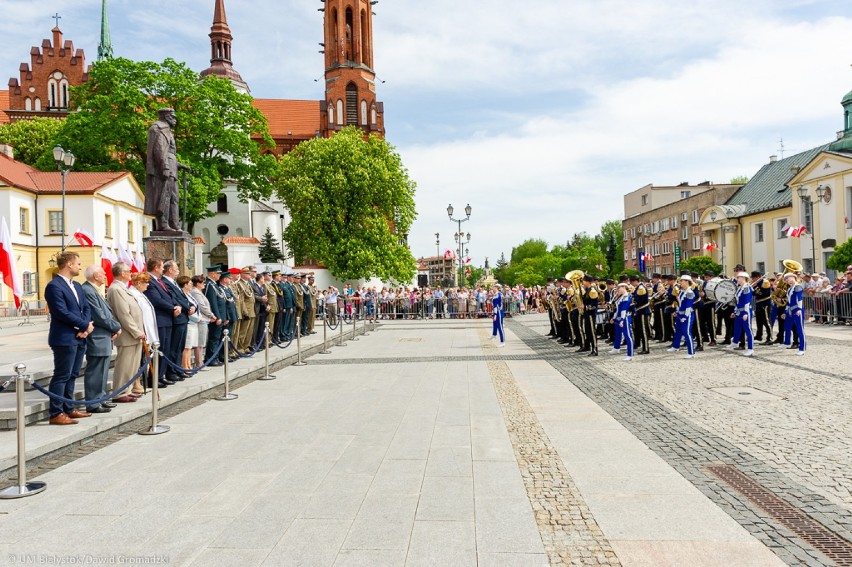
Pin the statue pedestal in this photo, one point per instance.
(177, 246)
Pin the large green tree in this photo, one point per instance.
(214, 135)
(530, 248)
(352, 204)
(31, 139)
(700, 264)
(842, 257)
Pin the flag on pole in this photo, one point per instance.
(710, 246)
(138, 263)
(642, 262)
(796, 231)
(83, 237)
(7, 262)
(124, 255)
(107, 259)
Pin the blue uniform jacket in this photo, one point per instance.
(685, 301)
(794, 298)
(68, 316)
(743, 300)
(622, 307)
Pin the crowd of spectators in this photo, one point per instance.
(827, 302)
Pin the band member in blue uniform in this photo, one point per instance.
(743, 314)
(794, 313)
(683, 317)
(623, 320)
(497, 315)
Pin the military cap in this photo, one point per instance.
(709, 273)
(310, 277)
(267, 273)
(214, 268)
(656, 275)
(756, 274)
(246, 270)
(252, 269)
(225, 275)
(276, 273)
(588, 278)
(234, 271)
(303, 276)
(611, 282)
(635, 278)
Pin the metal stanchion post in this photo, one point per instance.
(267, 375)
(227, 395)
(299, 361)
(354, 326)
(365, 324)
(155, 428)
(23, 488)
(325, 333)
(340, 326)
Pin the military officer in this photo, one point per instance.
(231, 309)
(245, 306)
(762, 302)
(289, 319)
(311, 317)
(261, 307)
(216, 296)
(300, 300)
(272, 305)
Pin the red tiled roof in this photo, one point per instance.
(199, 240)
(4, 105)
(301, 117)
(241, 240)
(23, 176)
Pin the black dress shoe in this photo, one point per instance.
(100, 409)
(699, 349)
(216, 363)
(164, 383)
(593, 353)
(793, 346)
(644, 352)
(109, 405)
(583, 350)
(176, 378)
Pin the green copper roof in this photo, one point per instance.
(847, 98)
(105, 45)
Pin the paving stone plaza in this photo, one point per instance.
(423, 444)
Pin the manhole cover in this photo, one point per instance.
(748, 394)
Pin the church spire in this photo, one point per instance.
(220, 50)
(105, 45)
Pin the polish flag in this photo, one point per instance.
(7, 262)
(107, 259)
(83, 237)
(467, 261)
(710, 246)
(138, 263)
(599, 267)
(124, 255)
(648, 256)
(796, 231)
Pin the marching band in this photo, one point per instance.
(684, 312)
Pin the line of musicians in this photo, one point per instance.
(674, 309)
(245, 305)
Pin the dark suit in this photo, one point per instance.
(164, 307)
(216, 296)
(179, 326)
(98, 344)
(260, 311)
(232, 317)
(69, 315)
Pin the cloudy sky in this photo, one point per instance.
(540, 114)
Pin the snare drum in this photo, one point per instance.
(601, 317)
(721, 290)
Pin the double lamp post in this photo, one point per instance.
(460, 239)
(64, 162)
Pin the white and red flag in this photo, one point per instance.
(107, 259)
(796, 231)
(83, 237)
(7, 262)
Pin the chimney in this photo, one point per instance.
(773, 158)
(7, 150)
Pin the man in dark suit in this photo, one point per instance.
(231, 310)
(99, 341)
(166, 309)
(216, 296)
(70, 325)
(180, 321)
(261, 306)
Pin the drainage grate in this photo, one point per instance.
(808, 529)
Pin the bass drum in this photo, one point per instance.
(720, 290)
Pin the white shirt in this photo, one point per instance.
(73, 289)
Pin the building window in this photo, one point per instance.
(656, 249)
(696, 242)
(24, 214)
(52, 97)
(761, 267)
(641, 243)
(684, 233)
(54, 223)
(808, 265)
(655, 228)
(373, 115)
(351, 104)
(633, 232)
(684, 194)
(28, 103)
(674, 222)
(131, 234)
(782, 228)
(330, 113)
(644, 200)
(63, 93)
(665, 224)
(625, 255)
(363, 112)
(758, 232)
(28, 282)
(625, 235)
(339, 112)
(695, 216)
(108, 225)
(684, 217)
(808, 217)
(222, 204)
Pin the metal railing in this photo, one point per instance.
(33, 309)
(825, 308)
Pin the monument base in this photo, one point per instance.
(172, 245)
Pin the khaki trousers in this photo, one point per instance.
(128, 359)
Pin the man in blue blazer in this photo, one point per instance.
(165, 308)
(180, 321)
(99, 341)
(70, 325)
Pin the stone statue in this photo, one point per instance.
(161, 189)
(486, 263)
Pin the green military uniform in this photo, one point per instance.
(245, 308)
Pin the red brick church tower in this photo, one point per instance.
(350, 79)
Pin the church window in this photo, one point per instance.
(37, 103)
(330, 113)
(339, 111)
(373, 115)
(222, 204)
(364, 49)
(363, 112)
(349, 28)
(28, 103)
(63, 93)
(52, 99)
(351, 104)
(131, 233)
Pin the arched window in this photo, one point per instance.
(339, 112)
(330, 113)
(63, 93)
(222, 204)
(28, 103)
(38, 103)
(363, 112)
(351, 104)
(349, 30)
(365, 42)
(52, 97)
(373, 115)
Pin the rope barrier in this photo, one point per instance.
(257, 348)
(282, 345)
(5, 385)
(196, 370)
(58, 398)
(329, 325)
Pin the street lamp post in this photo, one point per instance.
(807, 201)
(64, 162)
(438, 250)
(460, 235)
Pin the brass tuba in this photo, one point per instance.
(576, 278)
(779, 295)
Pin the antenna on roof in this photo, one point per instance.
(781, 147)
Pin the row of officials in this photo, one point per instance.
(244, 300)
(682, 311)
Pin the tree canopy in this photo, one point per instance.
(214, 133)
(700, 264)
(31, 139)
(842, 257)
(352, 205)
